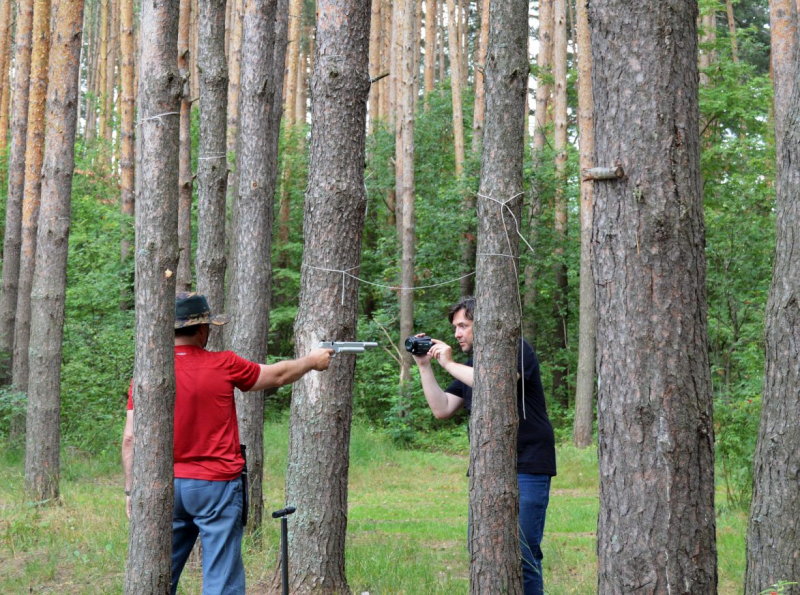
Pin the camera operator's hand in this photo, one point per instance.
(442, 352)
(422, 360)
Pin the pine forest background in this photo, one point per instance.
(738, 176)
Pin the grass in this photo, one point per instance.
(406, 525)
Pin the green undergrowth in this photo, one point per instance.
(407, 524)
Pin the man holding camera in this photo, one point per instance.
(209, 491)
(536, 456)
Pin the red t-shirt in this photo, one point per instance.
(206, 431)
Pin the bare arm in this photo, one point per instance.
(443, 405)
(288, 371)
(443, 354)
(127, 457)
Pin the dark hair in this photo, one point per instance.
(466, 303)
(188, 331)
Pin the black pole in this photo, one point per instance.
(282, 515)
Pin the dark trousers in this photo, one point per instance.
(534, 495)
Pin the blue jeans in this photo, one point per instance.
(534, 495)
(212, 509)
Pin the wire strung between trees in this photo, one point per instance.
(159, 117)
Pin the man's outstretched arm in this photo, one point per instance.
(291, 370)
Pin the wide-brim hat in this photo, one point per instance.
(192, 308)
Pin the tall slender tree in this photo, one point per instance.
(127, 134)
(109, 93)
(430, 46)
(12, 240)
(560, 303)
(587, 322)
(50, 278)
(184, 280)
(656, 529)
(5, 68)
(319, 434)
(493, 494)
(34, 153)
(482, 42)
(150, 538)
(732, 31)
(453, 19)
(773, 553)
(257, 166)
(234, 71)
(375, 62)
(292, 53)
(212, 165)
(102, 68)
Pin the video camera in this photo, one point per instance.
(419, 345)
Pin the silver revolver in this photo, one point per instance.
(347, 346)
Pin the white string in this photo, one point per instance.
(159, 117)
(210, 157)
(394, 287)
(503, 207)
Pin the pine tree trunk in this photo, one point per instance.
(102, 69)
(34, 153)
(319, 435)
(111, 65)
(386, 58)
(732, 31)
(394, 68)
(50, 278)
(257, 164)
(127, 136)
(212, 165)
(300, 94)
(92, 58)
(587, 335)
(184, 280)
(375, 66)
(455, 84)
(12, 240)
(544, 63)
(150, 540)
(234, 73)
(480, 88)
(194, 51)
(773, 552)
(5, 68)
(493, 494)
(656, 529)
(440, 27)
(293, 51)
(430, 46)
(560, 303)
(407, 90)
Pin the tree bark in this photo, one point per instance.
(406, 86)
(111, 69)
(656, 529)
(234, 73)
(732, 31)
(386, 60)
(102, 70)
(50, 277)
(394, 31)
(127, 137)
(12, 240)
(212, 164)
(560, 303)
(494, 498)
(257, 163)
(773, 552)
(480, 88)
(92, 58)
(34, 152)
(544, 63)
(300, 94)
(319, 435)
(184, 280)
(293, 51)
(587, 334)
(150, 540)
(5, 68)
(375, 65)
(455, 84)
(430, 46)
(440, 27)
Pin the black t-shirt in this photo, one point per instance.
(536, 445)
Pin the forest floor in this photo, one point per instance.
(407, 525)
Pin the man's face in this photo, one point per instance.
(463, 327)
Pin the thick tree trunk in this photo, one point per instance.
(375, 66)
(493, 494)
(656, 529)
(212, 164)
(50, 278)
(34, 152)
(184, 280)
(560, 304)
(544, 63)
(319, 435)
(430, 46)
(482, 41)
(455, 84)
(773, 551)
(127, 137)
(150, 541)
(407, 90)
(257, 163)
(12, 240)
(587, 334)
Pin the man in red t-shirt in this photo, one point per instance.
(208, 460)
